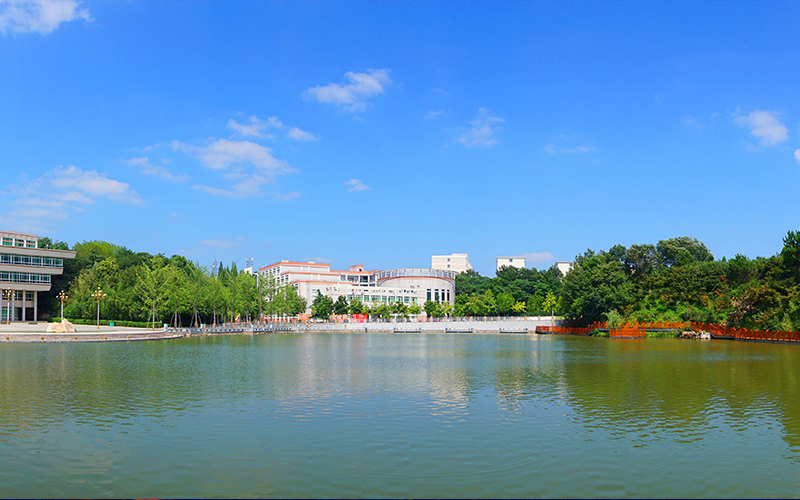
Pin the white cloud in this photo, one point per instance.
(555, 149)
(223, 154)
(60, 194)
(356, 185)
(482, 131)
(39, 16)
(320, 260)
(539, 257)
(351, 96)
(291, 195)
(764, 125)
(301, 135)
(797, 155)
(255, 128)
(91, 183)
(430, 115)
(147, 168)
(222, 244)
(251, 165)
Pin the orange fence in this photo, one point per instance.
(745, 334)
(635, 329)
(628, 333)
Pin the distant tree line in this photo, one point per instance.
(144, 287)
(679, 280)
(514, 291)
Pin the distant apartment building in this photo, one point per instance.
(458, 262)
(510, 262)
(409, 286)
(564, 266)
(25, 270)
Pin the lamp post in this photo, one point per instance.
(98, 294)
(62, 296)
(7, 295)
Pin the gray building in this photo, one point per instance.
(25, 270)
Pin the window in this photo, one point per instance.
(8, 242)
(19, 243)
(30, 244)
(429, 294)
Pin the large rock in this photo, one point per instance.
(63, 327)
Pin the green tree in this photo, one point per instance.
(356, 307)
(431, 308)
(596, 285)
(340, 307)
(505, 303)
(683, 250)
(322, 307)
(150, 288)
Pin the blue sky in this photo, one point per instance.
(379, 133)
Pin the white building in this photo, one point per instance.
(564, 266)
(25, 270)
(458, 262)
(510, 262)
(409, 286)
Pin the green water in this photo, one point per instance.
(386, 415)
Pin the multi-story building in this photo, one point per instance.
(510, 262)
(409, 286)
(25, 270)
(458, 262)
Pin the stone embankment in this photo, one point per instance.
(701, 335)
(67, 332)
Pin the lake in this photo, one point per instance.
(400, 415)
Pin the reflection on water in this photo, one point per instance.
(382, 415)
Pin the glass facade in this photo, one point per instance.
(35, 278)
(29, 260)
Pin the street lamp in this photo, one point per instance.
(98, 294)
(2, 296)
(7, 295)
(62, 296)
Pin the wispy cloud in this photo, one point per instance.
(301, 135)
(247, 164)
(482, 130)
(39, 16)
(352, 96)
(321, 260)
(147, 168)
(539, 257)
(59, 195)
(356, 185)
(223, 154)
(431, 114)
(255, 128)
(765, 125)
(564, 144)
(221, 244)
(797, 155)
(555, 149)
(291, 195)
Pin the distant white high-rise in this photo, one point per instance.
(510, 262)
(458, 262)
(564, 266)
